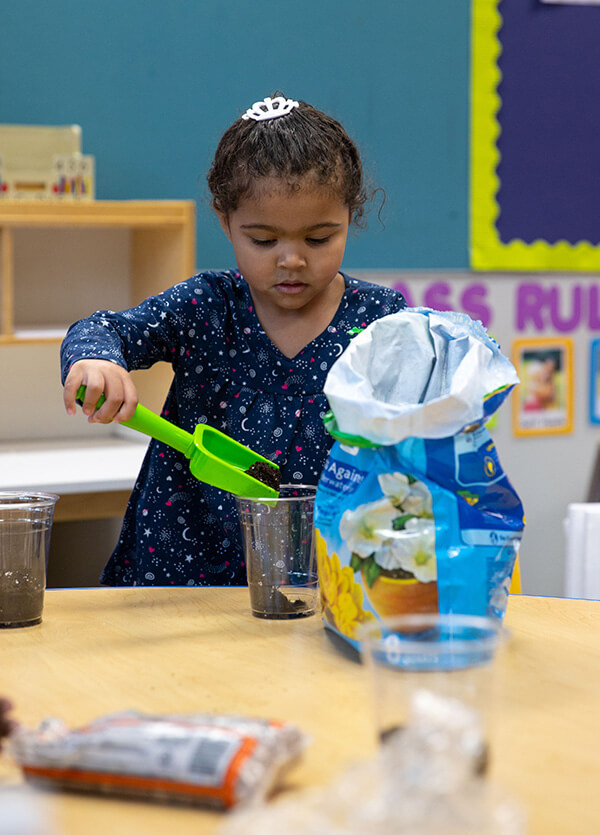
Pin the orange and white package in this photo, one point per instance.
(203, 759)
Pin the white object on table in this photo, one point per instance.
(74, 466)
(582, 564)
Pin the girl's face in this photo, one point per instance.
(289, 244)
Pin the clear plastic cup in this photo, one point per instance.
(25, 528)
(433, 685)
(279, 550)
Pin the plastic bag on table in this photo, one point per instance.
(203, 759)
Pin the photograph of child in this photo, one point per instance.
(543, 404)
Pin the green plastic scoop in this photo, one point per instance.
(214, 457)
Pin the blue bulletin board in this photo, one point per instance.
(535, 128)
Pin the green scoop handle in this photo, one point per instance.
(214, 457)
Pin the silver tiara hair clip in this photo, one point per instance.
(270, 108)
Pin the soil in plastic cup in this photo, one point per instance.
(279, 550)
(434, 669)
(25, 528)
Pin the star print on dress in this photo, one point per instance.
(228, 374)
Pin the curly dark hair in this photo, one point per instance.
(303, 142)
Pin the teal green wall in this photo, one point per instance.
(154, 83)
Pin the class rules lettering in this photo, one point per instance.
(562, 305)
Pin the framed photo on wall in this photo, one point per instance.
(543, 403)
(595, 381)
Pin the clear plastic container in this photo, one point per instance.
(25, 529)
(279, 549)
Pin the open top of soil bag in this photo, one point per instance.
(418, 373)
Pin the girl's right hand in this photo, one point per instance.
(101, 377)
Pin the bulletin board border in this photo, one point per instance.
(487, 251)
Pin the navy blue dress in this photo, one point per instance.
(228, 374)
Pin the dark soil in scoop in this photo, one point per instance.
(266, 473)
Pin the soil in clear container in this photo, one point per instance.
(281, 602)
(21, 598)
(279, 553)
(23, 554)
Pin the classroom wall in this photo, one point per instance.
(155, 84)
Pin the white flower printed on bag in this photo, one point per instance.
(395, 486)
(368, 527)
(410, 495)
(412, 549)
(395, 534)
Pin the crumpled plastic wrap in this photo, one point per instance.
(355, 804)
(418, 372)
(426, 780)
(203, 759)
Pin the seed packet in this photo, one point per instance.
(203, 759)
(414, 512)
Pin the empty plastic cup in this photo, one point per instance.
(25, 528)
(424, 667)
(279, 549)
(434, 694)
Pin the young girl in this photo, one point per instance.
(250, 348)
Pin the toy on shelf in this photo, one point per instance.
(38, 161)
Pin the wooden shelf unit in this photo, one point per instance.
(162, 242)
(157, 242)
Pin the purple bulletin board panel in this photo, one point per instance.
(535, 128)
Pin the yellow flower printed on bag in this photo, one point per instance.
(341, 596)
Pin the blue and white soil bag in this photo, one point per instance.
(414, 512)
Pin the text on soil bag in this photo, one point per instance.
(341, 478)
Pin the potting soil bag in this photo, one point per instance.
(414, 513)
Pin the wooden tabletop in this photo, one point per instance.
(198, 650)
